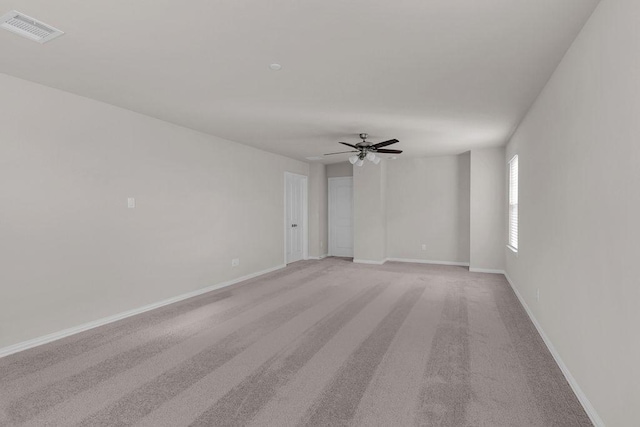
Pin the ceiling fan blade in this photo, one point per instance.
(385, 143)
(389, 151)
(350, 145)
(341, 152)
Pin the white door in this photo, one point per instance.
(341, 216)
(295, 225)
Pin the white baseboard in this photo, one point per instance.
(414, 261)
(424, 261)
(318, 257)
(586, 404)
(485, 270)
(105, 320)
(368, 261)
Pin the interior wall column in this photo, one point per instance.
(369, 208)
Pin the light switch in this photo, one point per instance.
(131, 202)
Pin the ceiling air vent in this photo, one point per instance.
(28, 27)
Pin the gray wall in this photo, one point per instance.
(318, 210)
(369, 212)
(72, 252)
(488, 209)
(428, 203)
(579, 161)
(339, 170)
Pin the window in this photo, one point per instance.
(513, 203)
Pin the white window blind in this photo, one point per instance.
(513, 202)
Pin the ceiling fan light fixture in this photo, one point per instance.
(366, 150)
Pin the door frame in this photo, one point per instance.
(305, 215)
(329, 222)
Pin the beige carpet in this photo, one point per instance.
(320, 343)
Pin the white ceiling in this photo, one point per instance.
(442, 76)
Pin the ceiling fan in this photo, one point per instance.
(366, 150)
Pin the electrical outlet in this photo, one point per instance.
(538, 295)
(131, 202)
(235, 262)
(424, 247)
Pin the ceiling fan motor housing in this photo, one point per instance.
(364, 143)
